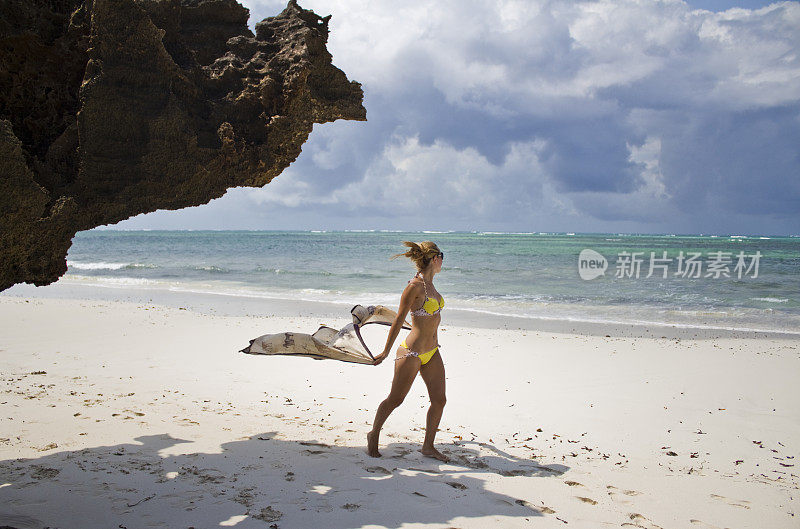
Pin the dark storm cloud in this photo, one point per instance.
(746, 161)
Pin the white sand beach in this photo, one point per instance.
(120, 414)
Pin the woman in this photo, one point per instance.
(419, 352)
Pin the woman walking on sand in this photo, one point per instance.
(419, 352)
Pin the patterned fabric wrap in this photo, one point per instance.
(345, 344)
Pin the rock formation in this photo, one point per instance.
(112, 108)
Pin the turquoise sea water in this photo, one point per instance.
(526, 275)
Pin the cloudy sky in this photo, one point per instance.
(531, 115)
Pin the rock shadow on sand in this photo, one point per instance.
(261, 481)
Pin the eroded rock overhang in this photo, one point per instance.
(112, 108)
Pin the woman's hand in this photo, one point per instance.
(380, 358)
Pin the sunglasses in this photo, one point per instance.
(441, 254)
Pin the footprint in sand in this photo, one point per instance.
(268, 514)
(205, 475)
(378, 470)
(640, 521)
(744, 504)
(245, 496)
(40, 472)
(351, 506)
(543, 509)
(619, 495)
(590, 501)
(456, 485)
(573, 484)
(401, 452)
(704, 525)
(312, 443)
(427, 471)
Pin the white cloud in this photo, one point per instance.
(648, 155)
(505, 54)
(410, 179)
(288, 190)
(574, 113)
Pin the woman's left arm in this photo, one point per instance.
(406, 299)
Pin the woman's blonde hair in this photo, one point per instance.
(421, 253)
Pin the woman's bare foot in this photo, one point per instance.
(432, 452)
(372, 445)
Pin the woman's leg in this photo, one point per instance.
(405, 371)
(433, 375)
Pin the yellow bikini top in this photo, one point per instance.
(431, 305)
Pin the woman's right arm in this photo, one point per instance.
(406, 299)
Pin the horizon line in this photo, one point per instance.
(444, 232)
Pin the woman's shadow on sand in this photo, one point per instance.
(261, 481)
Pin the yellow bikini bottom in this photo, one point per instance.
(424, 358)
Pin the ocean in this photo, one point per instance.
(517, 276)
